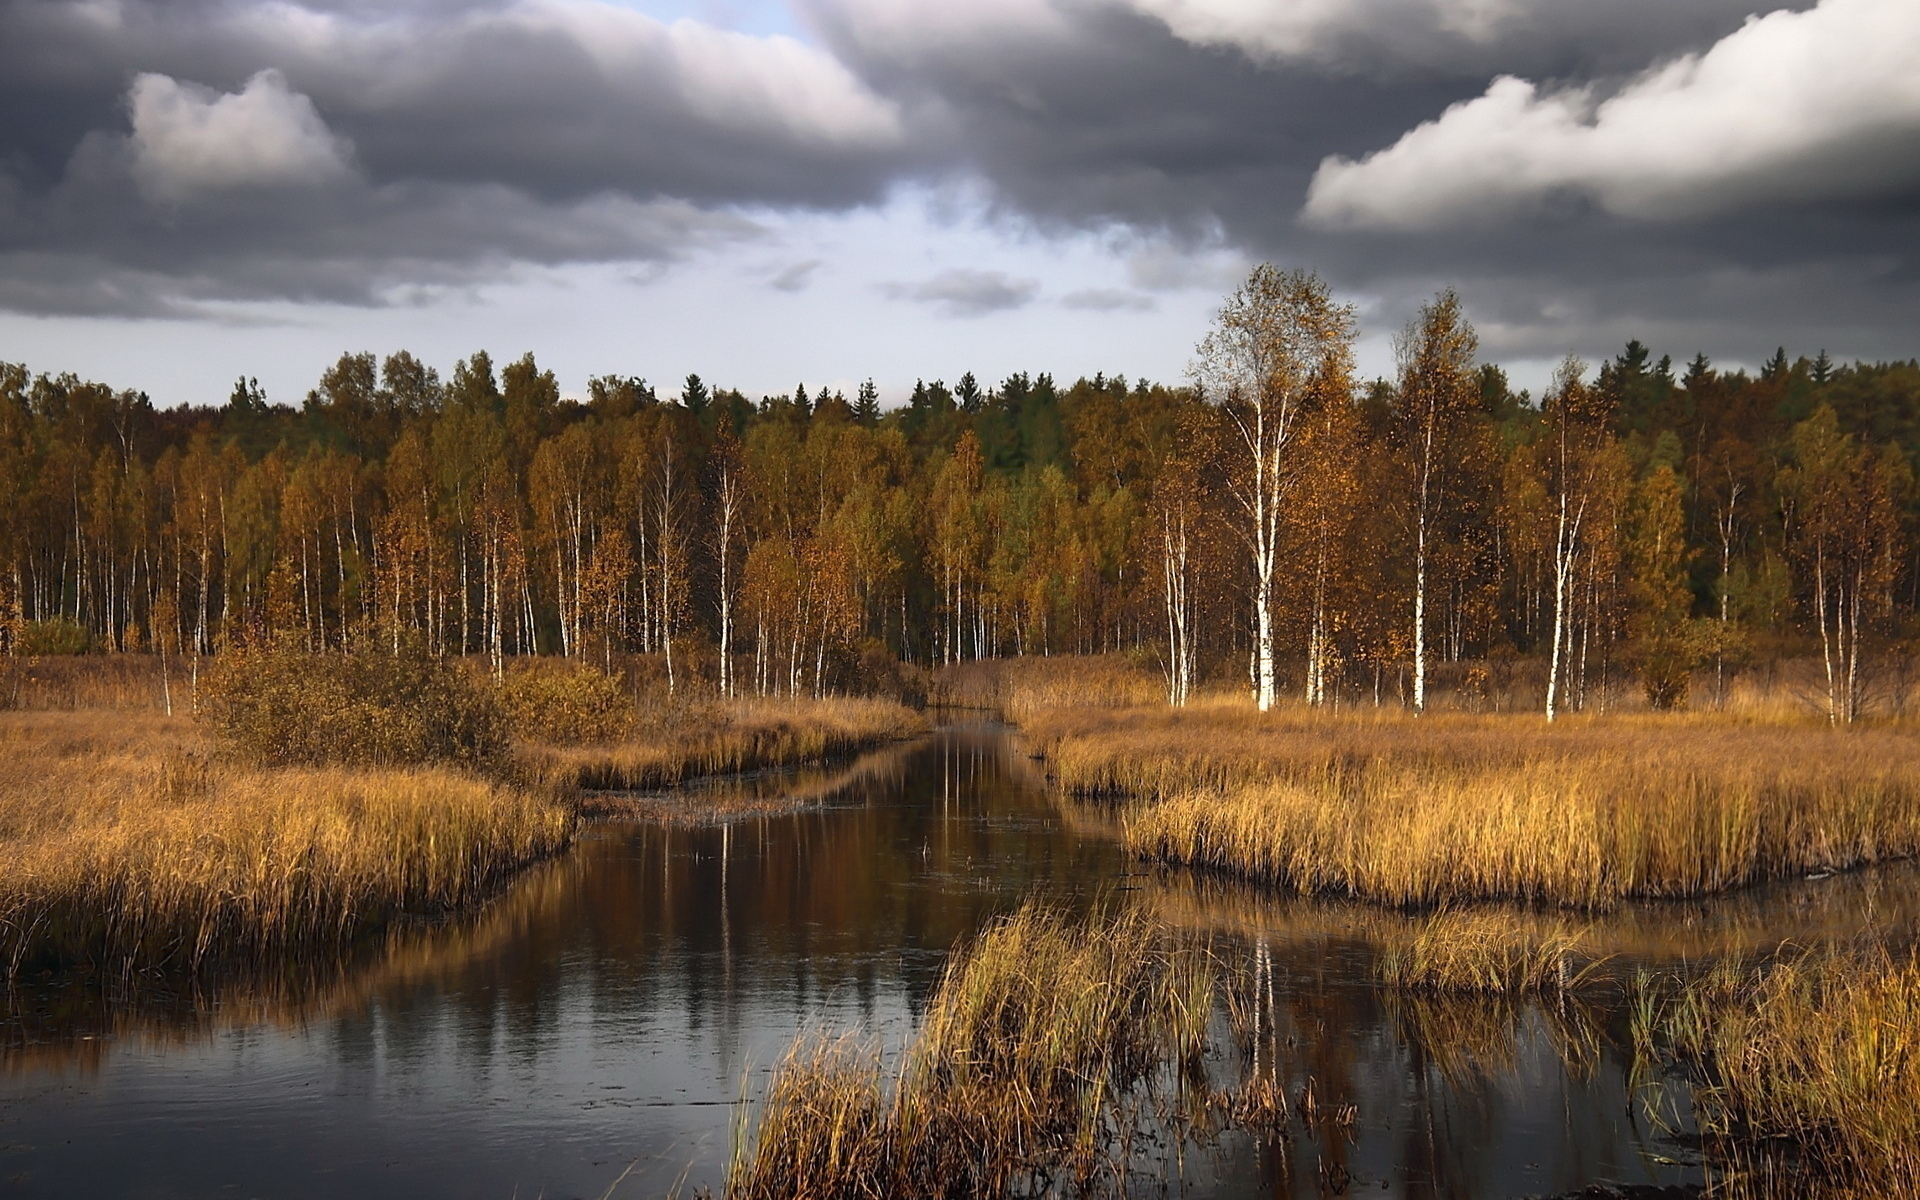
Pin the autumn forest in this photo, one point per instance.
(1634, 523)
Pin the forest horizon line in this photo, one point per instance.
(1640, 517)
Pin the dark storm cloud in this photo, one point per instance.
(1210, 120)
(962, 292)
(158, 157)
(175, 152)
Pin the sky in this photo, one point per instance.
(782, 192)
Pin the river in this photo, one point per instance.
(598, 1026)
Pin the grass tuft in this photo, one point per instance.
(1810, 1067)
(188, 863)
(1039, 1051)
(1489, 951)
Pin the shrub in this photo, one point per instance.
(55, 635)
(565, 703)
(280, 707)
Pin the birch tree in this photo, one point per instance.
(1438, 392)
(729, 510)
(1577, 466)
(1843, 526)
(1277, 342)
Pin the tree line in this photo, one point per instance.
(1273, 518)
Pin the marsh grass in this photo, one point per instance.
(1807, 1068)
(724, 799)
(317, 798)
(1489, 951)
(1046, 1047)
(1023, 687)
(127, 846)
(723, 738)
(122, 682)
(1423, 811)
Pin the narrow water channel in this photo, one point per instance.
(608, 1014)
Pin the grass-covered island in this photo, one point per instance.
(314, 797)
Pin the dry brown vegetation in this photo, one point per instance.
(723, 737)
(279, 706)
(1488, 951)
(317, 796)
(1422, 810)
(128, 848)
(1810, 1066)
(1024, 687)
(1034, 1065)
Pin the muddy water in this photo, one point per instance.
(597, 1027)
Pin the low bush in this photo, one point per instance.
(55, 635)
(565, 703)
(277, 706)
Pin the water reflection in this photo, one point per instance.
(616, 1004)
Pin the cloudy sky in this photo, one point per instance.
(777, 191)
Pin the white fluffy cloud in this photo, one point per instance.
(731, 79)
(189, 140)
(1794, 106)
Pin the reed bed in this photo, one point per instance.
(1447, 808)
(70, 682)
(1489, 951)
(1035, 1066)
(1808, 1070)
(124, 847)
(1023, 687)
(744, 735)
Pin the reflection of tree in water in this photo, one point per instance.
(845, 911)
(700, 915)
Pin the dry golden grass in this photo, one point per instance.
(1418, 811)
(123, 846)
(1488, 951)
(1022, 687)
(726, 798)
(722, 738)
(1816, 1055)
(1029, 1065)
(90, 681)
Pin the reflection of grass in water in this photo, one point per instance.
(1050, 1054)
(773, 793)
(1647, 933)
(1809, 1069)
(742, 735)
(1449, 807)
(96, 1014)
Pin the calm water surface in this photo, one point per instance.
(612, 1009)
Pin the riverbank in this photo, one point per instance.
(128, 846)
(1413, 811)
(722, 738)
(314, 799)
